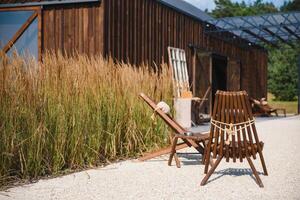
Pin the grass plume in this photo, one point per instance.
(72, 113)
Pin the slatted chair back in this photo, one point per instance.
(233, 132)
(177, 61)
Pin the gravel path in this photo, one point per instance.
(155, 180)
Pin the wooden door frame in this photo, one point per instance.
(195, 50)
(211, 86)
(37, 14)
(240, 66)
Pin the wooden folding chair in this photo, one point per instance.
(262, 108)
(197, 140)
(233, 134)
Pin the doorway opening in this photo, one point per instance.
(219, 74)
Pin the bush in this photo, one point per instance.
(71, 113)
(283, 73)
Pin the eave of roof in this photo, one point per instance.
(178, 5)
(187, 9)
(45, 3)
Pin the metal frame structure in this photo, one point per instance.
(269, 28)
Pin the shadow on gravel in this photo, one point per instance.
(273, 118)
(235, 172)
(190, 158)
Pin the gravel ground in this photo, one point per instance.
(155, 180)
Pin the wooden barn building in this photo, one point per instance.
(135, 31)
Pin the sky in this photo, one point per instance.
(209, 4)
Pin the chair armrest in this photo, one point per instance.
(195, 136)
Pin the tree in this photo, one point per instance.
(283, 73)
(227, 8)
(291, 6)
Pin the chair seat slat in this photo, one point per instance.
(249, 131)
(227, 120)
(232, 120)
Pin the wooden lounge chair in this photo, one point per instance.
(233, 134)
(197, 140)
(262, 108)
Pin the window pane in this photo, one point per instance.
(10, 23)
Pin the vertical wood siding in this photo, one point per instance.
(74, 28)
(139, 31)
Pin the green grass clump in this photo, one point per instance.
(73, 113)
(290, 106)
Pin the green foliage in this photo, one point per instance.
(72, 113)
(227, 8)
(283, 72)
(293, 5)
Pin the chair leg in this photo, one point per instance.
(177, 160)
(258, 180)
(207, 160)
(173, 152)
(263, 163)
(204, 154)
(212, 169)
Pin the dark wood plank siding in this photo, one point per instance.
(139, 31)
(74, 28)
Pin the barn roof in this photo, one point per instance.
(16, 3)
(179, 5)
(187, 8)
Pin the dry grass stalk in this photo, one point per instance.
(70, 113)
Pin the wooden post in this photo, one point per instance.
(40, 40)
(21, 8)
(194, 53)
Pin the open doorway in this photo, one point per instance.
(219, 74)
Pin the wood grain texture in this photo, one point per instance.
(151, 27)
(75, 28)
(139, 31)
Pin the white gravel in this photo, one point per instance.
(155, 180)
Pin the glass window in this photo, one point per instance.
(10, 23)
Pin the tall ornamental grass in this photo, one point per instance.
(73, 113)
